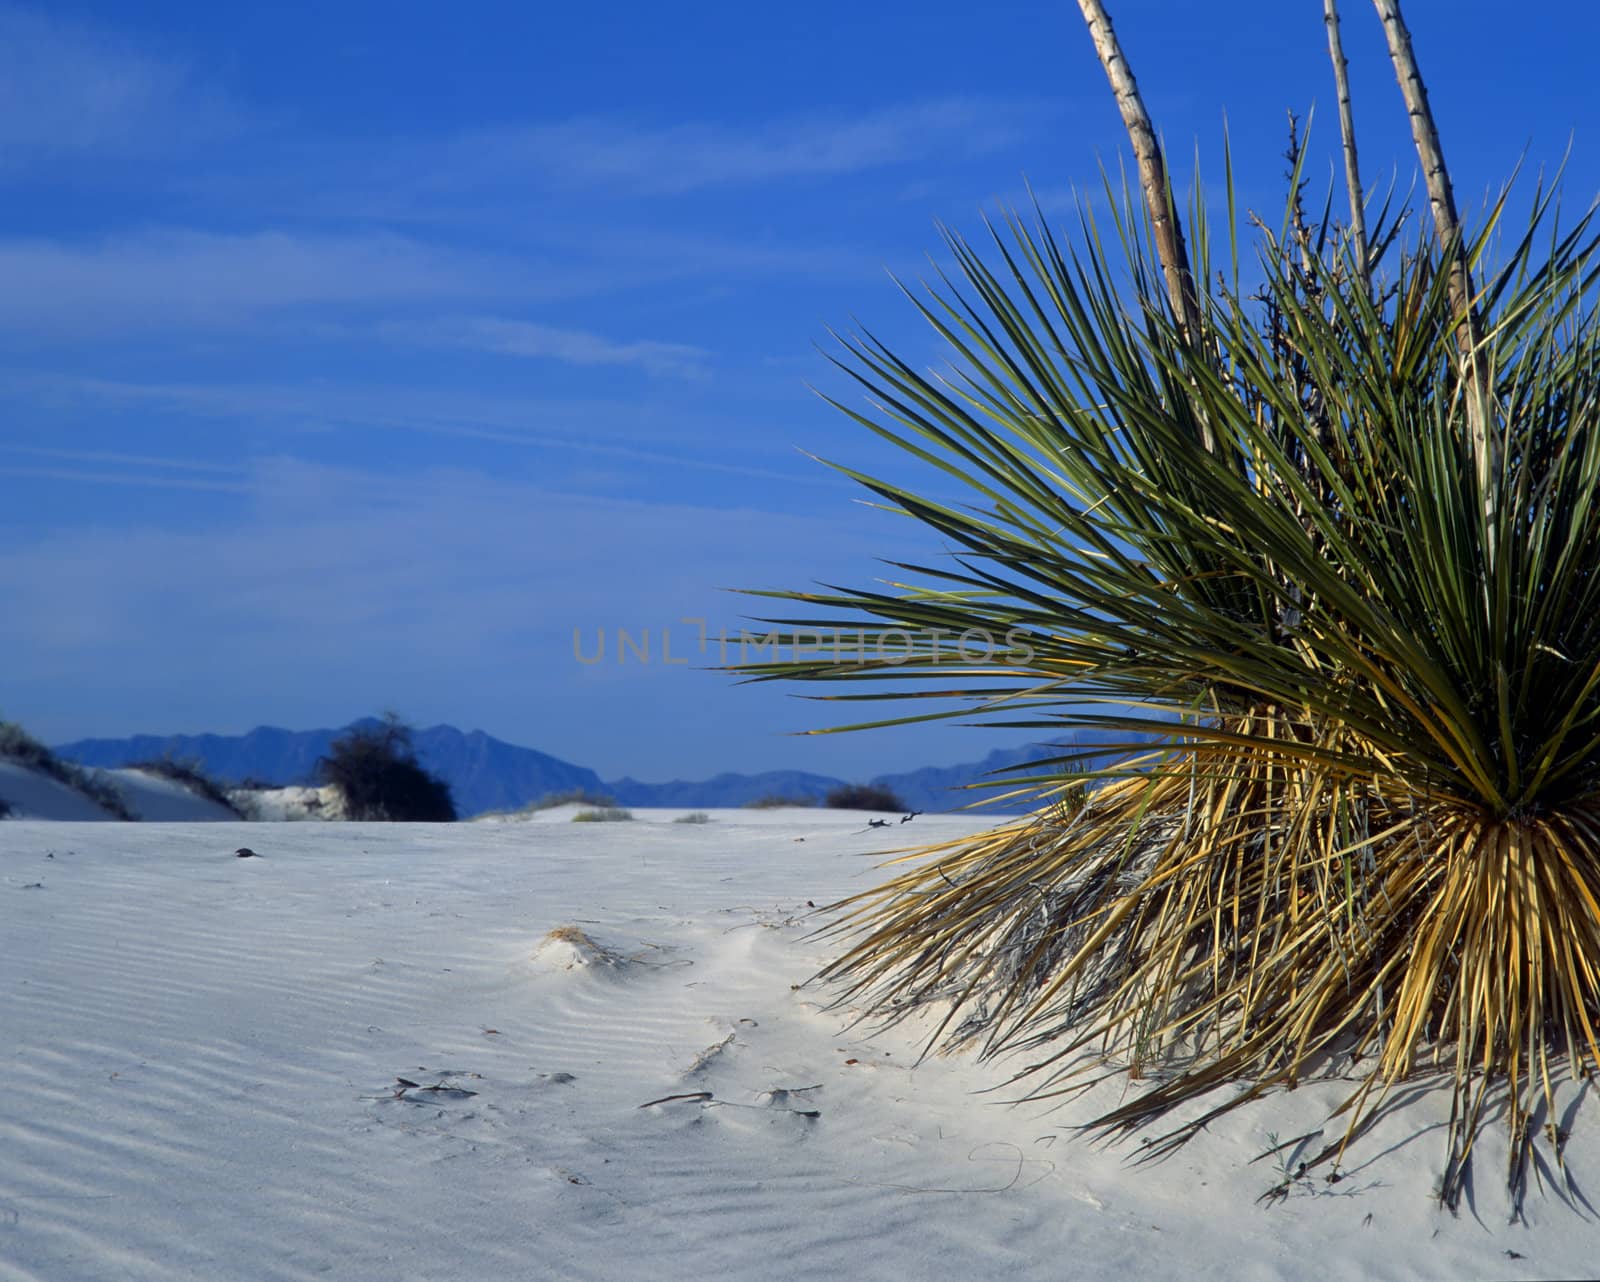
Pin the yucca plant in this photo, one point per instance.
(1334, 534)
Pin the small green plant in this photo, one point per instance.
(863, 796)
(192, 776)
(376, 772)
(693, 817)
(1289, 1166)
(16, 744)
(777, 801)
(605, 814)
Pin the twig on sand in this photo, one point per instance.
(667, 1099)
(704, 1058)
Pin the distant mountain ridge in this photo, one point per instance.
(485, 773)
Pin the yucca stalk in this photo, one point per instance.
(1166, 229)
(1478, 383)
(1371, 834)
(1347, 135)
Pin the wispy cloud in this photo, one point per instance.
(593, 152)
(107, 467)
(67, 86)
(482, 176)
(605, 430)
(177, 277)
(184, 277)
(341, 559)
(548, 342)
(111, 456)
(135, 478)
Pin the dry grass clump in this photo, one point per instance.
(603, 815)
(1217, 919)
(580, 948)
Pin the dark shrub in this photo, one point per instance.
(863, 796)
(376, 772)
(776, 801)
(5, 808)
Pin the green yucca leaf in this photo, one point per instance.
(1369, 825)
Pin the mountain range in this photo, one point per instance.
(485, 773)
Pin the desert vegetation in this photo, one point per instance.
(376, 773)
(777, 801)
(16, 744)
(193, 777)
(1321, 504)
(862, 796)
(569, 797)
(603, 815)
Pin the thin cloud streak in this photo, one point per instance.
(548, 342)
(136, 460)
(496, 176)
(676, 159)
(366, 410)
(67, 87)
(186, 277)
(182, 278)
(152, 480)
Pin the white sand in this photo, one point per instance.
(295, 802)
(201, 1058)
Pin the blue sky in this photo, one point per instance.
(352, 355)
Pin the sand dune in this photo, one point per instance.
(33, 795)
(364, 1055)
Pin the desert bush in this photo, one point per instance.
(693, 817)
(377, 774)
(191, 774)
(569, 797)
(16, 744)
(1337, 534)
(605, 814)
(863, 796)
(777, 801)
